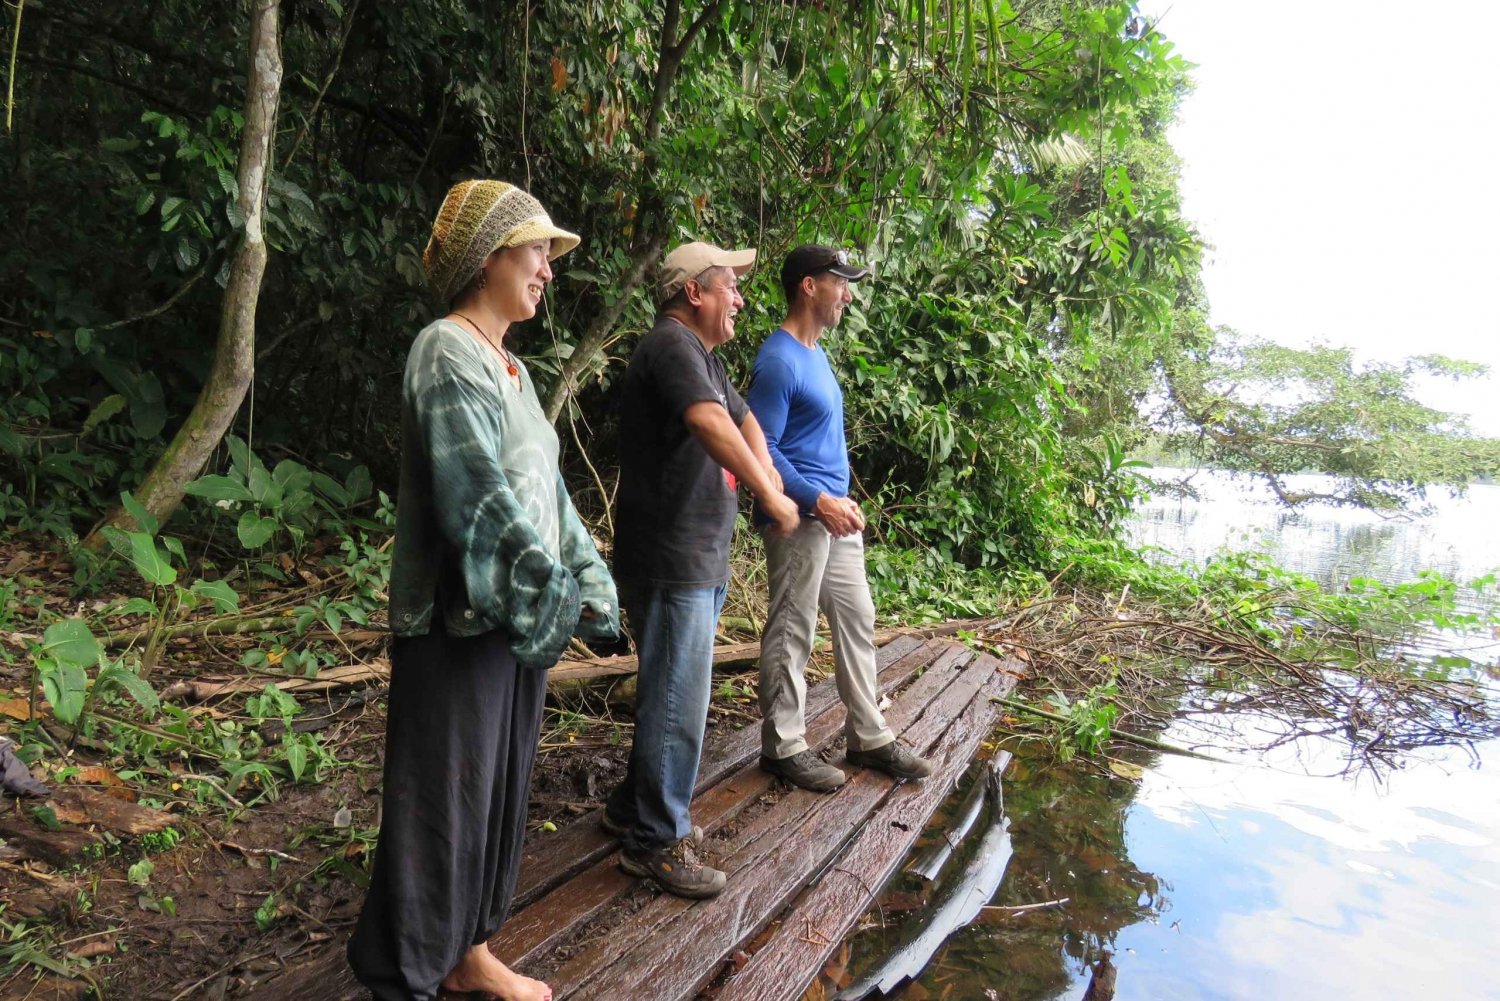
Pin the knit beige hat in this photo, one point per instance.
(478, 218)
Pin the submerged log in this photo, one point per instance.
(960, 904)
(930, 862)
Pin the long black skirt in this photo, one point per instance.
(461, 739)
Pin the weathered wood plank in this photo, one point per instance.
(734, 653)
(552, 919)
(683, 949)
(546, 862)
(789, 960)
(554, 859)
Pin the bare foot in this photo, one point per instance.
(480, 970)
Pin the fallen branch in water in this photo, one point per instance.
(1129, 738)
(1023, 908)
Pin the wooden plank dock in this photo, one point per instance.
(802, 866)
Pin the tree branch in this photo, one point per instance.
(650, 235)
(234, 355)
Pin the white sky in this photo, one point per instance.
(1341, 158)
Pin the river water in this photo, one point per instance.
(1276, 876)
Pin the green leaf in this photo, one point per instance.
(331, 490)
(333, 619)
(292, 476)
(296, 757)
(358, 484)
(107, 408)
(138, 606)
(66, 687)
(186, 253)
(10, 441)
(224, 597)
(262, 486)
(254, 530)
(148, 408)
(71, 642)
(143, 204)
(150, 562)
(145, 519)
(131, 683)
(216, 488)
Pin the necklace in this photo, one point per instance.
(511, 368)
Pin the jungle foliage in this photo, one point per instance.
(1003, 167)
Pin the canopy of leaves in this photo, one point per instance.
(1003, 167)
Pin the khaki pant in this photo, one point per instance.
(810, 570)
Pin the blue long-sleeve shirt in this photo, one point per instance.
(798, 403)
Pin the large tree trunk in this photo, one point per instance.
(234, 355)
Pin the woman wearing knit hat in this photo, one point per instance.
(492, 574)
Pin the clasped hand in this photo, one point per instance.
(840, 515)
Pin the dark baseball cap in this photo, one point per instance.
(813, 259)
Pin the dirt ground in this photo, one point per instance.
(232, 894)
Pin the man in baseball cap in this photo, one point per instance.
(686, 436)
(797, 399)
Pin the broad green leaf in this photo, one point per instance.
(107, 408)
(150, 562)
(66, 687)
(224, 597)
(145, 519)
(131, 683)
(296, 756)
(138, 606)
(331, 489)
(358, 484)
(254, 530)
(71, 642)
(291, 476)
(217, 488)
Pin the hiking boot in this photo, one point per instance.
(894, 759)
(805, 769)
(676, 868)
(616, 829)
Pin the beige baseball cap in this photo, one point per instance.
(692, 259)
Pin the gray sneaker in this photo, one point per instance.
(616, 829)
(677, 869)
(893, 759)
(805, 769)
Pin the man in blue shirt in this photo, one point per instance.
(796, 398)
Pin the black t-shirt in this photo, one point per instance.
(676, 506)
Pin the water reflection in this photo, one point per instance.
(1259, 878)
(1235, 881)
(1328, 544)
(1290, 886)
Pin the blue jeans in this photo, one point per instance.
(674, 637)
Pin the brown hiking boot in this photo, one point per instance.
(805, 769)
(676, 868)
(894, 759)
